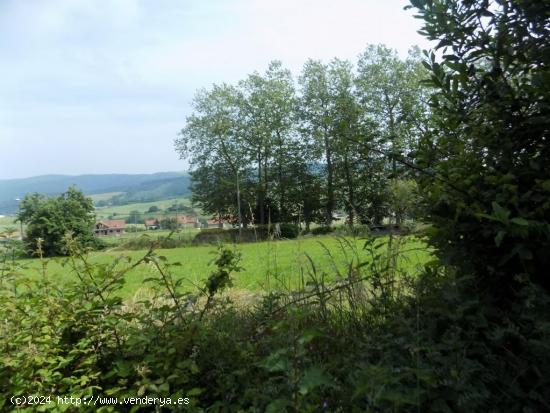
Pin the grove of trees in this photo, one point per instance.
(49, 219)
(273, 149)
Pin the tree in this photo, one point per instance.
(50, 219)
(394, 109)
(152, 209)
(212, 136)
(268, 109)
(403, 199)
(486, 158)
(345, 129)
(316, 123)
(134, 218)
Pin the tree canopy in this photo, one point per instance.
(272, 149)
(50, 219)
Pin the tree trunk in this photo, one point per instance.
(239, 203)
(260, 198)
(282, 212)
(351, 191)
(330, 187)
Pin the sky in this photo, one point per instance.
(104, 86)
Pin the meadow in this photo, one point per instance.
(7, 222)
(266, 266)
(141, 207)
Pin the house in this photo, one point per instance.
(152, 223)
(213, 223)
(109, 227)
(220, 223)
(185, 221)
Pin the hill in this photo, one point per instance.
(126, 188)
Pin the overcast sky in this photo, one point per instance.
(104, 86)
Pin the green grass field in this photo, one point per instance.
(7, 222)
(267, 266)
(104, 196)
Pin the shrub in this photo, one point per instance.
(487, 146)
(355, 231)
(322, 230)
(289, 231)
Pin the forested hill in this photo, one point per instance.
(138, 187)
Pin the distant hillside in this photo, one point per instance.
(133, 188)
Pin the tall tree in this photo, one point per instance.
(268, 110)
(391, 97)
(344, 127)
(212, 137)
(316, 124)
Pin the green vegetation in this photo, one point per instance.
(269, 150)
(104, 197)
(487, 146)
(123, 211)
(7, 222)
(49, 220)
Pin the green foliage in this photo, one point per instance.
(371, 340)
(49, 220)
(263, 151)
(487, 148)
(404, 200)
(289, 231)
(134, 217)
(321, 230)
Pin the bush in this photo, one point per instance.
(355, 231)
(289, 231)
(486, 149)
(322, 230)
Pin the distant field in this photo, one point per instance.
(105, 196)
(8, 222)
(266, 265)
(124, 210)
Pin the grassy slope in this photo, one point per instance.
(266, 265)
(8, 222)
(104, 196)
(142, 207)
